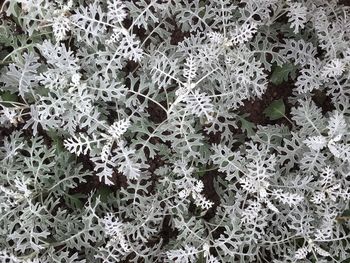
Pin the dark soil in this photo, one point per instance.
(344, 2)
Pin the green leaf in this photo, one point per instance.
(203, 169)
(201, 173)
(103, 192)
(73, 201)
(57, 141)
(275, 110)
(346, 213)
(201, 257)
(246, 126)
(3, 54)
(8, 96)
(281, 74)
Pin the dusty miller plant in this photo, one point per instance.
(103, 89)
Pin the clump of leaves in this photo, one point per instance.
(106, 82)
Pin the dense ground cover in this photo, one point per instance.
(174, 131)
